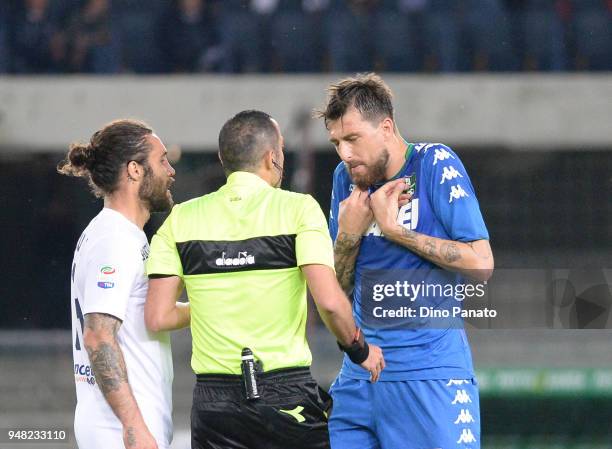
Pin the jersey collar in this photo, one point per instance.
(243, 178)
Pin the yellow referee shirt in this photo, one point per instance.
(239, 250)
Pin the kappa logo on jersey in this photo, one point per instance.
(243, 259)
(461, 397)
(456, 193)
(466, 437)
(452, 382)
(440, 154)
(465, 417)
(449, 173)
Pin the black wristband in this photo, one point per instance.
(358, 351)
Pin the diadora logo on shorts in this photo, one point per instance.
(243, 258)
(295, 413)
(84, 373)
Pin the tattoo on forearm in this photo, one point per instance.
(409, 235)
(346, 249)
(429, 248)
(131, 438)
(346, 243)
(108, 367)
(450, 253)
(106, 359)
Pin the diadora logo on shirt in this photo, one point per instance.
(465, 417)
(449, 173)
(84, 373)
(456, 193)
(242, 259)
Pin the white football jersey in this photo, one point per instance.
(108, 276)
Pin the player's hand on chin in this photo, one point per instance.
(386, 201)
(375, 363)
(354, 213)
(138, 437)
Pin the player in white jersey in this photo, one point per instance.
(123, 373)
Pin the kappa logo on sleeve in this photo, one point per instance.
(449, 173)
(440, 154)
(456, 193)
(106, 276)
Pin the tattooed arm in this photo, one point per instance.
(108, 365)
(346, 250)
(473, 259)
(354, 217)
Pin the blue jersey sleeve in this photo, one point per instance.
(452, 195)
(337, 195)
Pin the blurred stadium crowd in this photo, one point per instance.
(268, 36)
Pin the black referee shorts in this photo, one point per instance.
(290, 414)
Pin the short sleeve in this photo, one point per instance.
(313, 243)
(164, 258)
(452, 195)
(111, 273)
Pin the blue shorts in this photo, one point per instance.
(413, 414)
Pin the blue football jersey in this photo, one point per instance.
(443, 205)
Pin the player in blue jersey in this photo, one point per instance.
(427, 396)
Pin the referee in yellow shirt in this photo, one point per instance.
(246, 254)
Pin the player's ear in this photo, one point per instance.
(134, 171)
(388, 127)
(219, 156)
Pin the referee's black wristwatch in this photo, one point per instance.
(359, 350)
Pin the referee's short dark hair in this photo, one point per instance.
(366, 92)
(245, 138)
